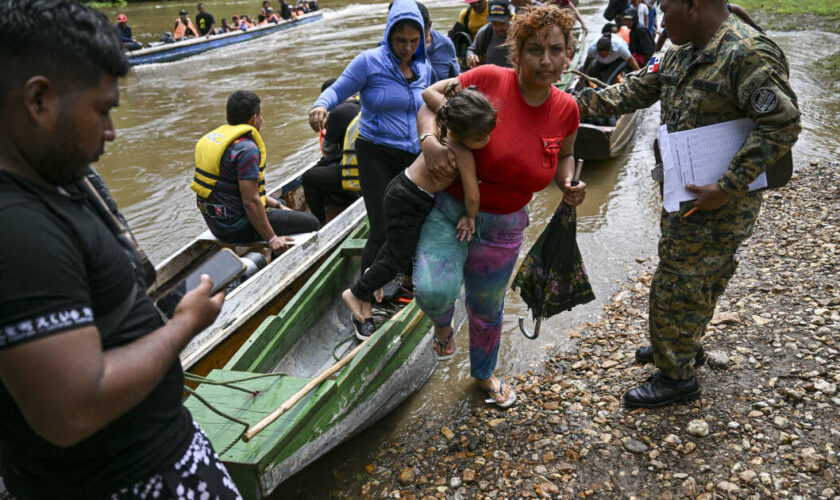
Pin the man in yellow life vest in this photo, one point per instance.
(230, 181)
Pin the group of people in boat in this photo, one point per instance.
(90, 381)
(205, 23)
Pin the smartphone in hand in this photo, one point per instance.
(222, 268)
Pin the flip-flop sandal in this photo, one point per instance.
(492, 400)
(443, 345)
(363, 330)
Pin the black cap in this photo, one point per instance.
(183, 12)
(498, 10)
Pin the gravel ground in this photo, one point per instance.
(767, 426)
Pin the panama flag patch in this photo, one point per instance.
(653, 65)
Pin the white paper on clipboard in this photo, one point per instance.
(701, 156)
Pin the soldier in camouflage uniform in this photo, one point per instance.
(724, 70)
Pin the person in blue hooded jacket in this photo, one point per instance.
(389, 79)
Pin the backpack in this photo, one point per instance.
(460, 36)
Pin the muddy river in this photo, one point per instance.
(165, 108)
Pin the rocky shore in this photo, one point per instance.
(767, 426)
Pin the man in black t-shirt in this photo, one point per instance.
(204, 21)
(323, 181)
(90, 380)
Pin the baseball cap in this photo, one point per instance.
(499, 10)
(183, 12)
(121, 18)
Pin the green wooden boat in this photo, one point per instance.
(296, 345)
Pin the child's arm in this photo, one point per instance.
(469, 179)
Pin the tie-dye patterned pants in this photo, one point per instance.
(485, 265)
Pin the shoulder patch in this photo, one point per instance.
(764, 100)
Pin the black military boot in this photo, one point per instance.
(660, 391)
(644, 355)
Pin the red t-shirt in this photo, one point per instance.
(521, 157)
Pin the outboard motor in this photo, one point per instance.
(254, 261)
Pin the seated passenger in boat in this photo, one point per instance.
(335, 178)
(272, 16)
(285, 10)
(229, 181)
(261, 20)
(124, 30)
(605, 57)
(225, 26)
(184, 28)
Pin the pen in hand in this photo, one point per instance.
(690, 212)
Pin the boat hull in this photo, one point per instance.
(601, 142)
(179, 50)
(392, 365)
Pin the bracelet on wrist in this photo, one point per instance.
(272, 239)
(424, 136)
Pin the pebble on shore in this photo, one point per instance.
(770, 410)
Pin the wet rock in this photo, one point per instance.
(468, 475)
(689, 487)
(634, 446)
(725, 318)
(447, 432)
(727, 487)
(407, 475)
(717, 359)
(698, 428)
(455, 482)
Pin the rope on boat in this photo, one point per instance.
(348, 339)
(228, 383)
(223, 415)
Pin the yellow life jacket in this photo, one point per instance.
(349, 162)
(208, 158)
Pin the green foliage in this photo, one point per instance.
(793, 15)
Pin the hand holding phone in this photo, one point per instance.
(198, 306)
(219, 270)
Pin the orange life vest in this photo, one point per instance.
(181, 28)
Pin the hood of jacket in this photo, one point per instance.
(405, 9)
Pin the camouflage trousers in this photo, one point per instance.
(696, 261)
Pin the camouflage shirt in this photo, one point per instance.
(739, 73)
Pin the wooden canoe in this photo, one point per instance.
(250, 302)
(179, 50)
(299, 343)
(602, 142)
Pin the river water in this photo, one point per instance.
(166, 108)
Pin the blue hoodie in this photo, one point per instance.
(389, 101)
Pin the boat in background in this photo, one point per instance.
(174, 51)
(289, 351)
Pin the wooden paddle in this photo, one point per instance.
(289, 403)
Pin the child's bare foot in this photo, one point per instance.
(357, 306)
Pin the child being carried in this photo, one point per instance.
(464, 123)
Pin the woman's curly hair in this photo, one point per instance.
(523, 26)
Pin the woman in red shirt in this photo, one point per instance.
(531, 145)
